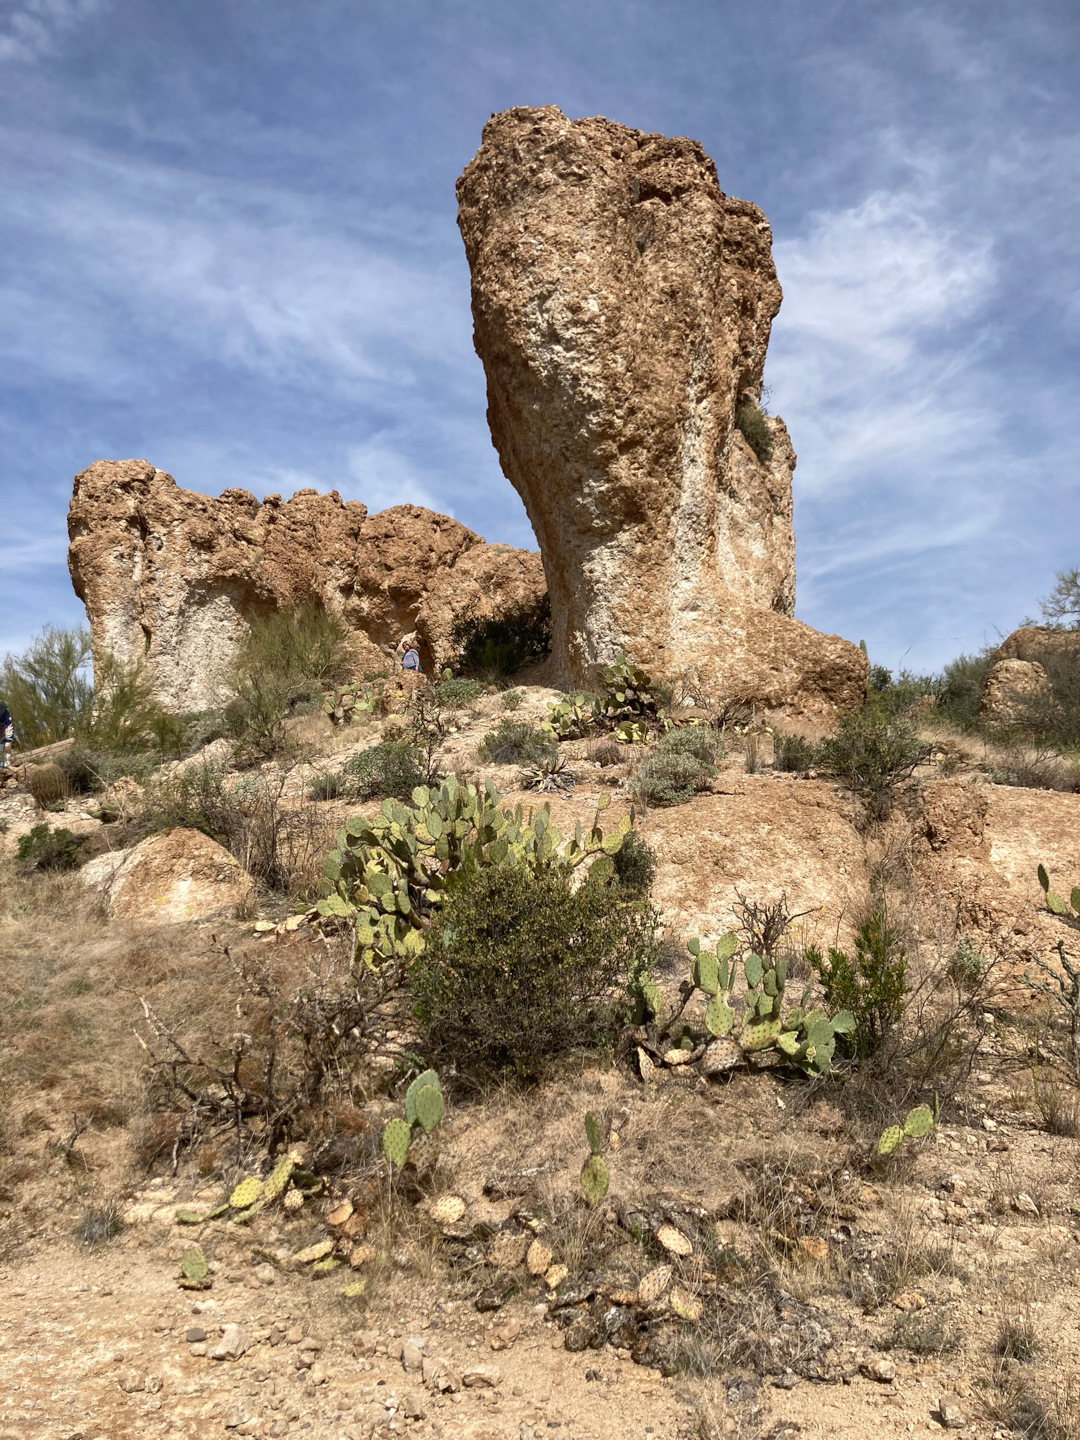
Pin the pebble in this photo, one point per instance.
(412, 1355)
(480, 1375)
(195, 1334)
(233, 1343)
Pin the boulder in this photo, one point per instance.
(175, 876)
(1016, 691)
(1035, 642)
(622, 307)
(172, 577)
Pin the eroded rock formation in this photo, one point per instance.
(622, 307)
(173, 577)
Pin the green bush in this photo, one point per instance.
(329, 786)
(87, 770)
(678, 766)
(755, 430)
(872, 752)
(793, 752)
(872, 984)
(498, 648)
(391, 769)
(635, 865)
(520, 967)
(47, 849)
(458, 692)
(286, 660)
(517, 742)
(511, 699)
(48, 687)
(897, 694)
(125, 718)
(960, 688)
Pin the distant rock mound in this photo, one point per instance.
(622, 306)
(173, 577)
(1015, 691)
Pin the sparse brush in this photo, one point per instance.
(100, 1224)
(1016, 1337)
(1058, 1108)
(517, 742)
(44, 848)
(498, 647)
(48, 688)
(456, 692)
(331, 785)
(793, 752)
(873, 752)
(635, 865)
(512, 699)
(754, 427)
(680, 765)
(393, 768)
(551, 775)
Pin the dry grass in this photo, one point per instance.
(1010, 1399)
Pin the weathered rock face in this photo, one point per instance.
(1015, 690)
(174, 577)
(622, 307)
(1035, 642)
(175, 876)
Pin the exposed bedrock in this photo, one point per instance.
(622, 306)
(173, 578)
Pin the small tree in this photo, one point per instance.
(1063, 602)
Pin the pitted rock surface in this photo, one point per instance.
(174, 577)
(622, 306)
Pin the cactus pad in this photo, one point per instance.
(193, 1266)
(293, 1201)
(890, 1140)
(719, 1016)
(246, 1193)
(429, 1077)
(189, 1217)
(753, 969)
(760, 1035)
(707, 973)
(395, 1142)
(726, 947)
(278, 1179)
(429, 1106)
(323, 1267)
(595, 1179)
(919, 1122)
(593, 1133)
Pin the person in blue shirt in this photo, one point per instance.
(410, 656)
(7, 736)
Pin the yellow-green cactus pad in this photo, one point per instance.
(890, 1140)
(919, 1122)
(595, 1179)
(193, 1266)
(395, 1142)
(246, 1193)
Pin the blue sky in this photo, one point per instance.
(230, 246)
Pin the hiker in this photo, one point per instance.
(7, 736)
(410, 659)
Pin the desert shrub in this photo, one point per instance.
(331, 785)
(635, 864)
(678, 766)
(960, 688)
(125, 717)
(88, 770)
(755, 430)
(286, 660)
(393, 768)
(793, 752)
(498, 648)
(458, 692)
(46, 849)
(1036, 769)
(100, 1223)
(517, 742)
(872, 752)
(511, 699)
(967, 964)
(872, 983)
(896, 694)
(520, 967)
(48, 687)
(1054, 719)
(279, 842)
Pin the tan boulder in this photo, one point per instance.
(173, 577)
(1035, 642)
(622, 307)
(175, 876)
(760, 838)
(1016, 691)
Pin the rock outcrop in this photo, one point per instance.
(1016, 691)
(176, 876)
(173, 577)
(622, 306)
(1038, 642)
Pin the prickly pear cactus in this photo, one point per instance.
(278, 1179)
(919, 1122)
(890, 1140)
(429, 1077)
(719, 1017)
(193, 1266)
(395, 1142)
(595, 1179)
(429, 1106)
(593, 1132)
(246, 1193)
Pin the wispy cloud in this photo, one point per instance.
(36, 28)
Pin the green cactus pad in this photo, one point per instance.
(429, 1107)
(890, 1140)
(218, 1211)
(726, 947)
(396, 1139)
(719, 1017)
(324, 1267)
(1055, 903)
(694, 946)
(650, 993)
(753, 969)
(1044, 878)
(241, 1217)
(193, 1266)
(843, 1022)
(788, 1043)
(595, 1179)
(919, 1122)
(246, 1193)
(707, 973)
(278, 1179)
(593, 1132)
(761, 1035)
(353, 1291)
(1074, 898)
(189, 1217)
(429, 1077)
